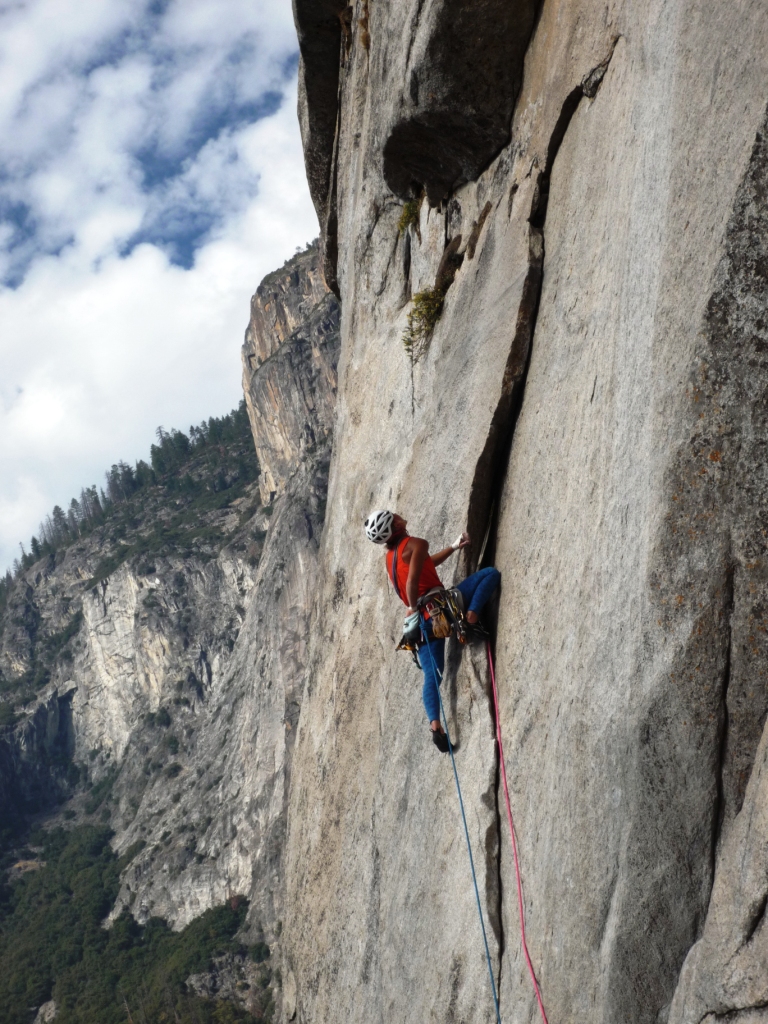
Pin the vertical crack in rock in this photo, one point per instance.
(475, 232)
(757, 919)
(502, 939)
(588, 87)
(719, 815)
(541, 197)
(491, 468)
(407, 290)
(330, 238)
(482, 517)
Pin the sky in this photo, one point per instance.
(150, 175)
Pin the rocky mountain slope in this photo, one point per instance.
(155, 666)
(579, 190)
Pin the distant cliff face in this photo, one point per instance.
(166, 652)
(289, 367)
(591, 400)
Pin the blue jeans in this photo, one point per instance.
(476, 590)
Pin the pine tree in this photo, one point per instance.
(59, 524)
(74, 517)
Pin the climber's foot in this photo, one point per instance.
(475, 632)
(440, 740)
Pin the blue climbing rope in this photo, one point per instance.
(464, 820)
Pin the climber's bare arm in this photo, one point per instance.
(441, 556)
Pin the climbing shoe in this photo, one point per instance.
(475, 632)
(440, 740)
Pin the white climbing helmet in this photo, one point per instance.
(378, 526)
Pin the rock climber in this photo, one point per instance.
(415, 576)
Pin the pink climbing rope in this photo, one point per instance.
(512, 834)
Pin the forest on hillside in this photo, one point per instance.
(207, 468)
(195, 495)
(53, 945)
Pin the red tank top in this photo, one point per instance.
(427, 581)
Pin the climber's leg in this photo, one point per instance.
(431, 666)
(477, 590)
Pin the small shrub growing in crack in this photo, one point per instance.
(410, 215)
(428, 305)
(423, 316)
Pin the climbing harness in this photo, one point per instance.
(446, 613)
(466, 829)
(445, 610)
(512, 835)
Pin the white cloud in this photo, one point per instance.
(98, 347)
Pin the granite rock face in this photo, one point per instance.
(212, 811)
(289, 358)
(462, 81)
(319, 27)
(725, 972)
(281, 304)
(591, 402)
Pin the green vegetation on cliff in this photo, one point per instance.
(204, 470)
(53, 945)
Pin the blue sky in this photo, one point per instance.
(150, 175)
